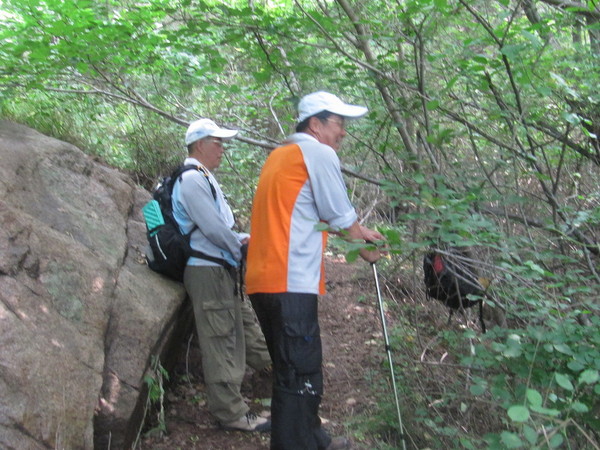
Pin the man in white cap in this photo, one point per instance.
(228, 333)
(300, 188)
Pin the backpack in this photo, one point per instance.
(169, 249)
(451, 280)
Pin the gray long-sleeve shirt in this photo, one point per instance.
(194, 205)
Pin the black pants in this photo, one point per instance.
(290, 324)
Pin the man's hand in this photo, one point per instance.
(371, 236)
(370, 255)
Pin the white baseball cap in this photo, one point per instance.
(317, 102)
(205, 127)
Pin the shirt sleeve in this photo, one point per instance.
(198, 201)
(328, 186)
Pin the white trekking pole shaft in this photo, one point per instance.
(389, 354)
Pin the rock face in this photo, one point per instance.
(81, 315)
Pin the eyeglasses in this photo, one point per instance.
(340, 123)
(217, 141)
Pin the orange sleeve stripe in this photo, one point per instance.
(322, 280)
(282, 177)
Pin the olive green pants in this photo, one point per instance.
(229, 338)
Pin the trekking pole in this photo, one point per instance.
(389, 353)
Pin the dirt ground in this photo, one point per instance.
(353, 347)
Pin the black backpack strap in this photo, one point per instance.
(212, 188)
(184, 168)
(242, 269)
(481, 316)
(220, 261)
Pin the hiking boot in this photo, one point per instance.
(339, 443)
(248, 422)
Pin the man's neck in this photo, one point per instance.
(199, 159)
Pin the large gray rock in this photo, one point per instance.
(81, 315)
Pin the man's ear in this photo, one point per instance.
(194, 147)
(314, 123)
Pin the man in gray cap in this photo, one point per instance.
(228, 333)
(300, 187)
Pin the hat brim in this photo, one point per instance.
(224, 133)
(348, 111)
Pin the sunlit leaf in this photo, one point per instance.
(563, 381)
(589, 376)
(530, 434)
(518, 413)
(477, 389)
(556, 440)
(546, 411)
(511, 440)
(432, 104)
(579, 407)
(534, 397)
(563, 348)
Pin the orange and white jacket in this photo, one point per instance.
(300, 185)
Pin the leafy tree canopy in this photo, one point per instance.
(482, 132)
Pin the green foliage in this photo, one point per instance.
(482, 133)
(238, 175)
(546, 378)
(155, 381)
(541, 384)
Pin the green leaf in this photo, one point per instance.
(545, 411)
(500, 393)
(352, 255)
(533, 266)
(511, 440)
(432, 104)
(557, 440)
(518, 413)
(263, 76)
(467, 444)
(513, 346)
(579, 407)
(534, 397)
(530, 434)
(563, 348)
(563, 381)
(393, 236)
(477, 389)
(588, 376)
(572, 118)
(575, 366)
(510, 51)
(419, 178)
(532, 38)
